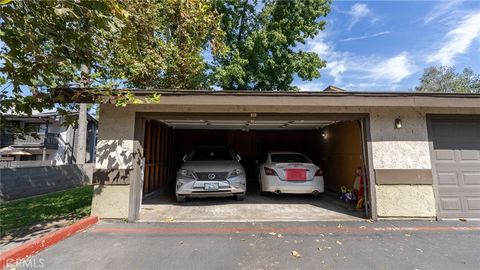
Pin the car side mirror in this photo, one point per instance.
(184, 158)
(238, 157)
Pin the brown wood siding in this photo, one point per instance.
(159, 156)
(403, 177)
(343, 151)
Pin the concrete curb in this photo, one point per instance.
(15, 255)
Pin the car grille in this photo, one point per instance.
(219, 176)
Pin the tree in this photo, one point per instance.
(47, 45)
(446, 79)
(102, 44)
(44, 45)
(163, 45)
(261, 41)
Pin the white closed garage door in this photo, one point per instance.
(456, 165)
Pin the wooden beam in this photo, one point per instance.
(147, 157)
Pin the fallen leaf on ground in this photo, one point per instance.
(338, 242)
(296, 254)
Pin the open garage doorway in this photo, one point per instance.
(336, 143)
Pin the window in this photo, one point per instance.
(36, 127)
(262, 158)
(10, 126)
(32, 127)
(212, 153)
(29, 158)
(42, 128)
(284, 158)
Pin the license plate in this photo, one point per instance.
(210, 186)
(296, 174)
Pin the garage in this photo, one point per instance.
(455, 151)
(419, 153)
(334, 142)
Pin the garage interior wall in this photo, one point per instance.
(342, 154)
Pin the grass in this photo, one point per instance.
(69, 204)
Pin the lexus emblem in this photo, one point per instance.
(211, 176)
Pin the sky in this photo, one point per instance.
(385, 45)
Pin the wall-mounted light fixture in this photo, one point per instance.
(325, 134)
(398, 123)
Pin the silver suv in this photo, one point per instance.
(210, 171)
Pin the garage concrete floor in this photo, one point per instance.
(161, 206)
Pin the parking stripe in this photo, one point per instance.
(310, 230)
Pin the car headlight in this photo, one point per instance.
(235, 172)
(188, 174)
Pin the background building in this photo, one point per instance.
(48, 138)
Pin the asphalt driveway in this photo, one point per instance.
(293, 245)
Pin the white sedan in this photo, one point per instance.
(290, 172)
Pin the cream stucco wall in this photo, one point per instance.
(404, 148)
(111, 201)
(405, 201)
(401, 149)
(116, 145)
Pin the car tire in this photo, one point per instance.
(240, 197)
(181, 199)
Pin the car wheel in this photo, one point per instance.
(181, 199)
(240, 197)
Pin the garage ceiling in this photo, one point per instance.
(248, 124)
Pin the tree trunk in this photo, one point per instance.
(82, 134)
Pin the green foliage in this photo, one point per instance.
(162, 45)
(153, 98)
(261, 43)
(50, 44)
(103, 44)
(123, 99)
(70, 204)
(445, 79)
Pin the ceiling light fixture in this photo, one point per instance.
(398, 123)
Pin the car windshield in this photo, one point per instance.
(213, 153)
(282, 158)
